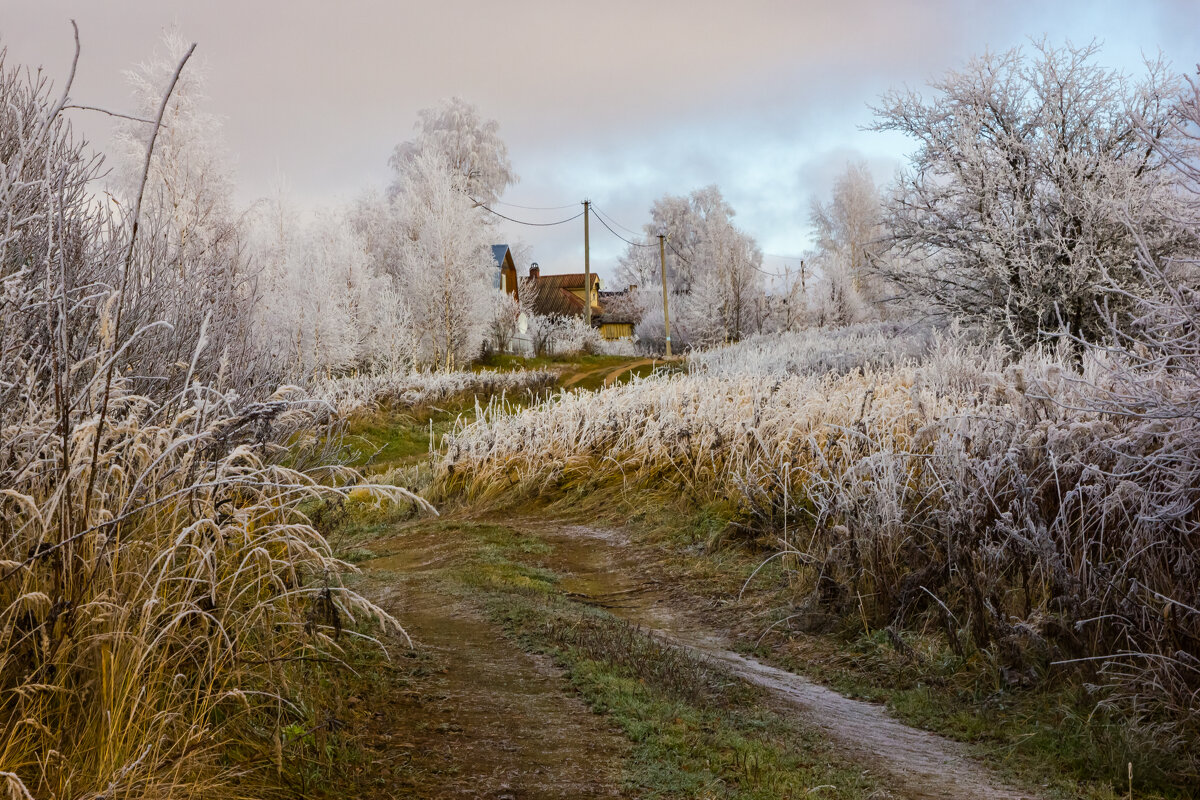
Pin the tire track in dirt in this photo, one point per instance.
(612, 377)
(579, 376)
(918, 764)
(492, 721)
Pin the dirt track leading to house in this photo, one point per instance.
(483, 719)
(503, 723)
(581, 376)
(615, 375)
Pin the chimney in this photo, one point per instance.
(632, 288)
(534, 270)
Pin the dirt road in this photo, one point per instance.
(502, 723)
(917, 764)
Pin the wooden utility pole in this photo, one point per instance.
(587, 268)
(662, 262)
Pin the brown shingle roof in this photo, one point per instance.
(571, 280)
(553, 300)
(554, 294)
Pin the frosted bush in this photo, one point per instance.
(1053, 533)
(618, 347)
(560, 335)
(818, 350)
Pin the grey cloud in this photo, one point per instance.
(624, 100)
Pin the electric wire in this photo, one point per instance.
(686, 261)
(768, 272)
(604, 220)
(676, 252)
(600, 217)
(532, 224)
(619, 225)
(534, 208)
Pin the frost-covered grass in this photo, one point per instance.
(936, 485)
(839, 350)
(370, 391)
(159, 602)
(167, 607)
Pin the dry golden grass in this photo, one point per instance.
(147, 635)
(161, 588)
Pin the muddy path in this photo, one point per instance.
(605, 571)
(579, 377)
(615, 375)
(492, 721)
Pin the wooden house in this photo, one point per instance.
(617, 319)
(565, 295)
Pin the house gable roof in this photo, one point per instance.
(499, 253)
(553, 300)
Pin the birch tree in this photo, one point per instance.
(708, 257)
(475, 155)
(849, 235)
(445, 262)
(324, 308)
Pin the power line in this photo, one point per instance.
(533, 224)
(600, 217)
(772, 274)
(686, 261)
(534, 208)
(676, 252)
(619, 225)
(603, 221)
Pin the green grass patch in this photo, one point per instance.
(696, 731)
(390, 439)
(578, 362)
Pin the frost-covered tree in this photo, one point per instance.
(470, 145)
(708, 257)
(849, 236)
(377, 222)
(324, 307)
(192, 264)
(638, 266)
(502, 325)
(837, 297)
(1028, 181)
(444, 262)
(788, 299)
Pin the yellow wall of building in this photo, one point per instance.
(616, 330)
(579, 293)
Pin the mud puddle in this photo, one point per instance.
(490, 721)
(603, 570)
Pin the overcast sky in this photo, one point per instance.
(615, 101)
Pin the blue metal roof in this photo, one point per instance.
(498, 251)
